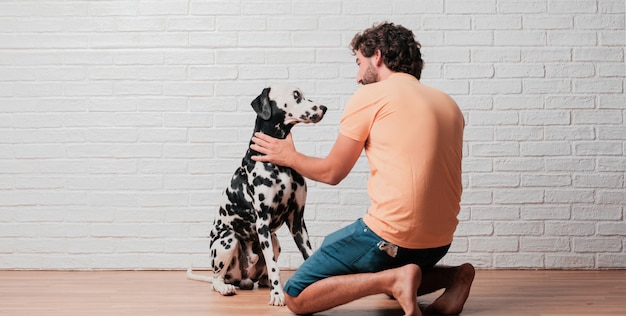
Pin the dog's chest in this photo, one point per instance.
(271, 185)
(262, 191)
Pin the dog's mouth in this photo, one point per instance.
(313, 115)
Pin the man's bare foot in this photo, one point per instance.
(404, 290)
(453, 299)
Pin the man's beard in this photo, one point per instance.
(370, 75)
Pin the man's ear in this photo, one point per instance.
(261, 105)
(378, 58)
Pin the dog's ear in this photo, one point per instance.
(262, 106)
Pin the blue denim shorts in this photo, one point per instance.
(354, 249)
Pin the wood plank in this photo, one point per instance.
(495, 292)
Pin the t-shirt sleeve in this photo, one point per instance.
(358, 116)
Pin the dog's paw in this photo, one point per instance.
(277, 298)
(225, 289)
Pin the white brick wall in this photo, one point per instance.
(122, 121)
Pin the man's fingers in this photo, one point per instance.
(258, 148)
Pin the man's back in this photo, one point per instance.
(414, 139)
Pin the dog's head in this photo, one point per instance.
(286, 105)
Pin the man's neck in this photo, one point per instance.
(384, 73)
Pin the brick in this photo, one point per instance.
(518, 164)
(471, 7)
(611, 197)
(611, 164)
(612, 102)
(546, 180)
(519, 38)
(204, 23)
(162, 7)
(568, 71)
(569, 39)
(548, 22)
(548, 86)
(468, 71)
(243, 23)
(474, 229)
(565, 261)
(489, 118)
(518, 102)
(519, 229)
(571, 102)
(499, 86)
(446, 23)
(548, 212)
(519, 133)
(612, 38)
(544, 244)
(569, 196)
(495, 149)
(597, 212)
(515, 196)
(570, 164)
(518, 260)
(598, 181)
(493, 244)
(609, 6)
(611, 229)
(610, 260)
(596, 245)
(598, 148)
(467, 38)
(593, 86)
(519, 71)
(522, 6)
(495, 180)
(546, 54)
(496, 54)
(545, 118)
(327, 7)
(494, 213)
(545, 148)
(611, 70)
(598, 54)
(578, 6)
(569, 228)
(504, 22)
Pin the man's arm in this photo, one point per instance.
(331, 170)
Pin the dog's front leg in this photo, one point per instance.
(299, 233)
(277, 296)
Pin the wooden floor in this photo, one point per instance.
(528, 293)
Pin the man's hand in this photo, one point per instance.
(277, 151)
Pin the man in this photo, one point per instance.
(413, 137)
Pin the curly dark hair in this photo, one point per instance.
(397, 44)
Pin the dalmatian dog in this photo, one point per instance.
(261, 197)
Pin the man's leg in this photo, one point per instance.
(401, 283)
(456, 281)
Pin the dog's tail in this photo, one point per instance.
(198, 277)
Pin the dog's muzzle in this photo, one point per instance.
(318, 117)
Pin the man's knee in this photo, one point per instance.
(293, 303)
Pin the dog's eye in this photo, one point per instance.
(298, 96)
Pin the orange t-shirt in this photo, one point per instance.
(413, 141)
